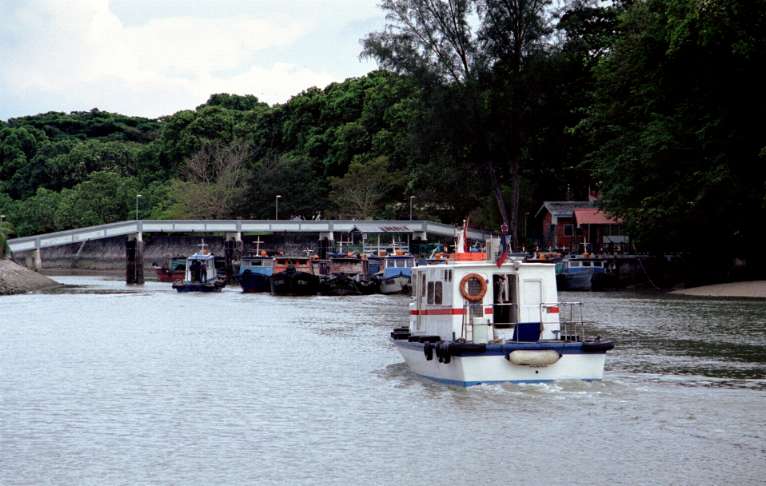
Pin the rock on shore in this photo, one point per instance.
(15, 279)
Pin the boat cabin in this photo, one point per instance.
(479, 302)
(349, 265)
(395, 265)
(256, 264)
(200, 268)
(300, 264)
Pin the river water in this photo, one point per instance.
(104, 384)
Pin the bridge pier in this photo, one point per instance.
(38, 258)
(134, 258)
(231, 247)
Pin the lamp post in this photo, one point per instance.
(411, 198)
(276, 206)
(138, 196)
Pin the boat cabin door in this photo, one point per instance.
(505, 299)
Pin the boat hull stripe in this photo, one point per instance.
(457, 311)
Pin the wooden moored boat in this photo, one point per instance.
(347, 275)
(294, 276)
(255, 273)
(171, 270)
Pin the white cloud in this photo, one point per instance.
(78, 54)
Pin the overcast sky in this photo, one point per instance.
(155, 57)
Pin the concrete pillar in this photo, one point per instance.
(38, 260)
(228, 254)
(240, 243)
(134, 259)
(324, 246)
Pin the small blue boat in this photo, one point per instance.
(584, 273)
(396, 277)
(255, 274)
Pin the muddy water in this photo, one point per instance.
(107, 385)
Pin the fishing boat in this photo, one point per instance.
(396, 275)
(585, 272)
(255, 273)
(173, 269)
(294, 276)
(201, 274)
(474, 322)
(347, 275)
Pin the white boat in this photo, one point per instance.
(201, 274)
(473, 322)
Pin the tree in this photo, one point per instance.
(480, 68)
(214, 183)
(6, 230)
(360, 193)
(674, 144)
(303, 191)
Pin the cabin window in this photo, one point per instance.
(438, 293)
(585, 264)
(597, 264)
(568, 230)
(430, 292)
(574, 264)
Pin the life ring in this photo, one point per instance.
(464, 291)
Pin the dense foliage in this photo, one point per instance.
(482, 108)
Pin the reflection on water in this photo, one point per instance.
(108, 384)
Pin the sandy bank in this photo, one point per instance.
(754, 289)
(15, 279)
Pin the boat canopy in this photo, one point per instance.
(200, 256)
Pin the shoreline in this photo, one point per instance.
(16, 279)
(755, 289)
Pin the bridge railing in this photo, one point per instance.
(230, 226)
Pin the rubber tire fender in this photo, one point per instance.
(428, 351)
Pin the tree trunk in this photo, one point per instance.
(515, 198)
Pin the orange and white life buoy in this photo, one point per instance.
(469, 289)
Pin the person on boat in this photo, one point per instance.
(194, 268)
(203, 273)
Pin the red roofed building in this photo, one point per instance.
(568, 224)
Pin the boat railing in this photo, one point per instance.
(571, 321)
(570, 317)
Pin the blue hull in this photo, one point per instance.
(254, 282)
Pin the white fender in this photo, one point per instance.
(538, 358)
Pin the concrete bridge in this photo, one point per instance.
(232, 229)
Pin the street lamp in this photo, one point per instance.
(411, 198)
(138, 196)
(276, 206)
